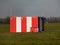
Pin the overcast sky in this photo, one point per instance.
(29, 8)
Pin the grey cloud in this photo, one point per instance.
(29, 8)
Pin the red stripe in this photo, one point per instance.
(13, 24)
(23, 24)
(34, 24)
(34, 21)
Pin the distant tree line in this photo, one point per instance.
(5, 20)
(49, 20)
(53, 19)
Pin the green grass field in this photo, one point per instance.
(51, 36)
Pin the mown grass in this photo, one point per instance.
(51, 36)
(4, 28)
(52, 26)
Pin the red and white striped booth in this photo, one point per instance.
(26, 24)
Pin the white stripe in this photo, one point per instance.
(29, 23)
(18, 24)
